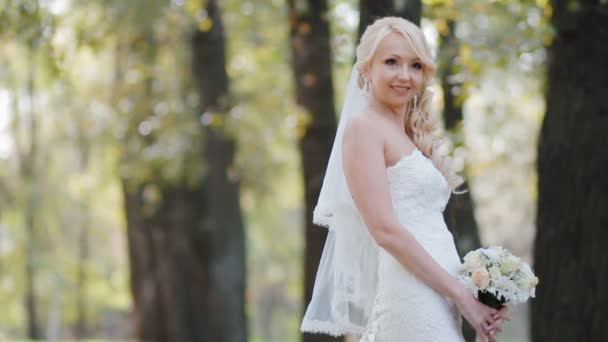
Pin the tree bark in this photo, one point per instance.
(185, 236)
(169, 250)
(147, 279)
(570, 245)
(27, 167)
(409, 9)
(83, 246)
(311, 64)
(459, 213)
(81, 280)
(224, 218)
(370, 10)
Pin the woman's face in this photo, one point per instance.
(395, 73)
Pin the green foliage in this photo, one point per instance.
(114, 97)
(494, 34)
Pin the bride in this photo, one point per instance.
(388, 267)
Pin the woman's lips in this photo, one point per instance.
(401, 89)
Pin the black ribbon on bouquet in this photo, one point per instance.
(491, 300)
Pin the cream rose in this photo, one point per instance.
(481, 278)
(533, 282)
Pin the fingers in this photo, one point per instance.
(495, 328)
(494, 331)
(502, 314)
(490, 318)
(492, 335)
(497, 324)
(487, 329)
(481, 337)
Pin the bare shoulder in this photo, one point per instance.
(364, 169)
(363, 143)
(363, 128)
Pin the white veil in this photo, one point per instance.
(345, 285)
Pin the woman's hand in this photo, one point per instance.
(500, 317)
(480, 316)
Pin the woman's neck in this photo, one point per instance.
(396, 114)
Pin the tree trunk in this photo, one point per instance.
(224, 218)
(144, 231)
(570, 247)
(31, 303)
(311, 63)
(27, 168)
(409, 9)
(83, 245)
(459, 213)
(169, 260)
(81, 281)
(370, 10)
(185, 236)
(144, 260)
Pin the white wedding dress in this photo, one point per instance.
(405, 309)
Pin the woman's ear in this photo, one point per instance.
(365, 70)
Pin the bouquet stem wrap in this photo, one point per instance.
(491, 300)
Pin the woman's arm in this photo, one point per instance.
(365, 171)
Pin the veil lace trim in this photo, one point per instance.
(346, 281)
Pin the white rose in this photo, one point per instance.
(499, 250)
(495, 272)
(473, 261)
(532, 282)
(510, 264)
(522, 283)
(492, 253)
(525, 268)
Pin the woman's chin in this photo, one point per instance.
(400, 99)
(395, 101)
(399, 102)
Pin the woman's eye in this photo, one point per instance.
(391, 61)
(417, 66)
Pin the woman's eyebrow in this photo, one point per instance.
(412, 59)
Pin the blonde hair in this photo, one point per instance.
(420, 125)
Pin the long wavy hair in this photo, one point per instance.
(420, 125)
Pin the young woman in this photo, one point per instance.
(388, 267)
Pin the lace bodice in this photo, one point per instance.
(419, 192)
(404, 305)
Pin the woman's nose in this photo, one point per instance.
(404, 73)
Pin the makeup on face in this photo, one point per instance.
(396, 72)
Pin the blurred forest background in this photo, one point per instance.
(160, 159)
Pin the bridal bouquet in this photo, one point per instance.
(497, 276)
